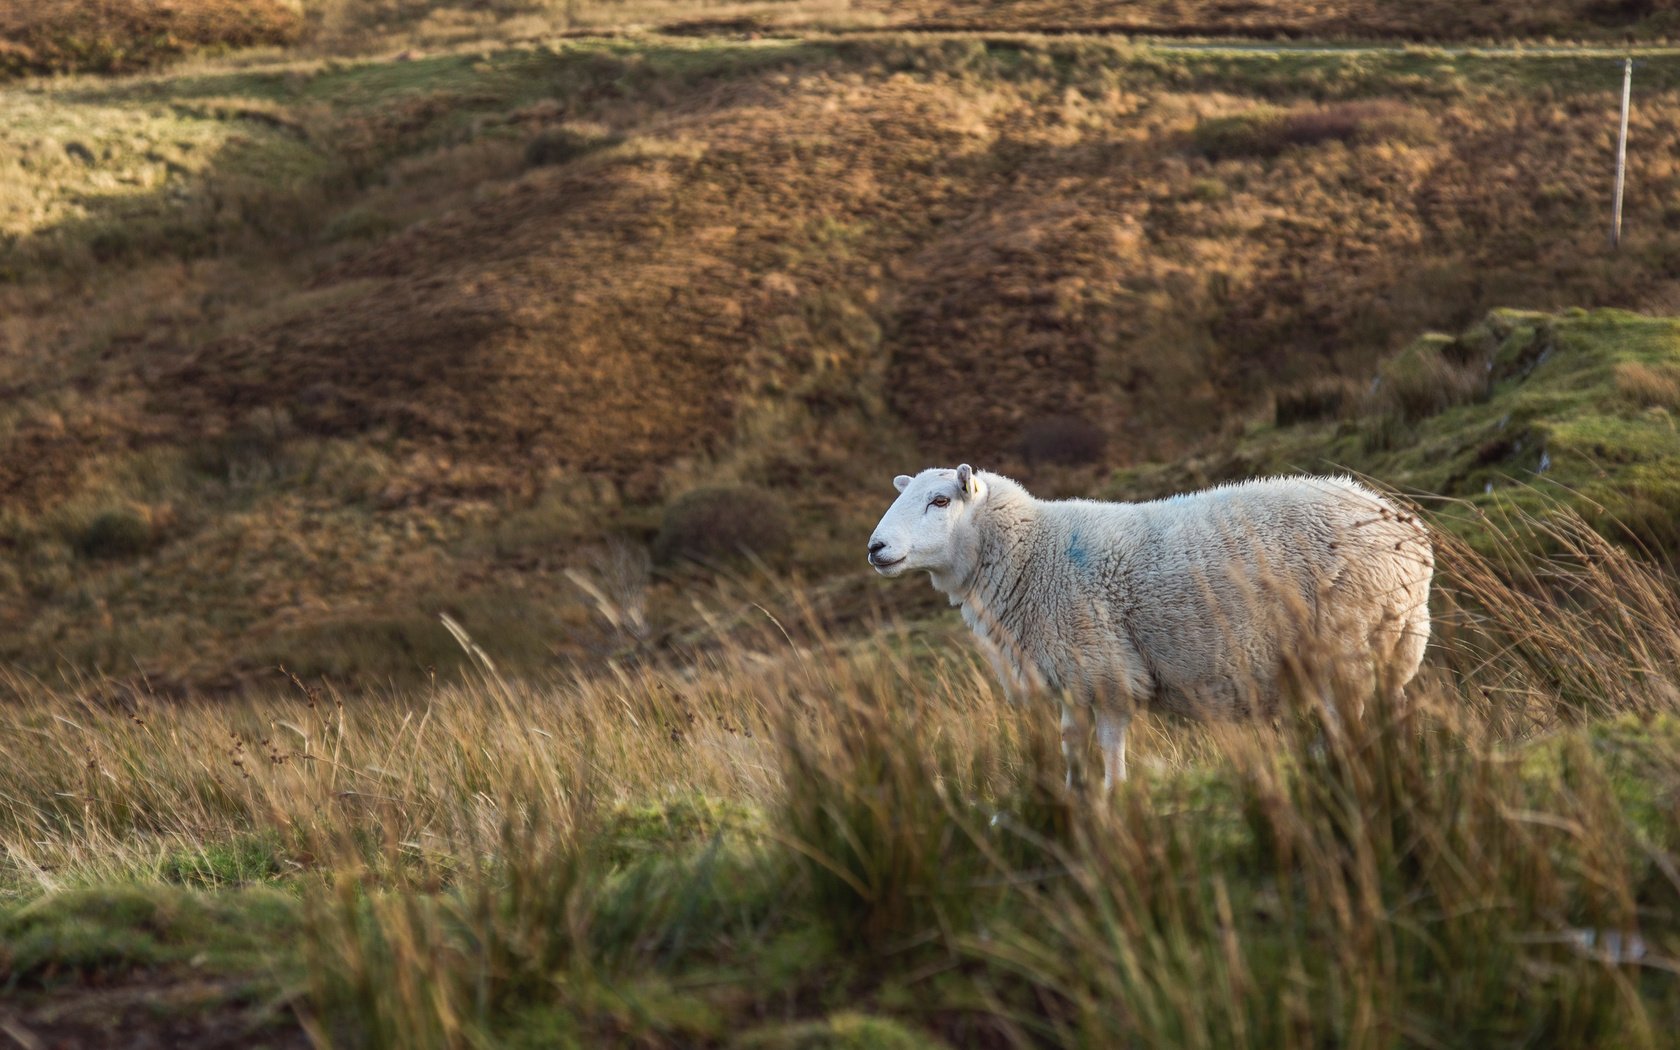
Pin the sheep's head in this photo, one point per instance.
(929, 526)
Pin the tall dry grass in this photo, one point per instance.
(1494, 857)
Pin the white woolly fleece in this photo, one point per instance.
(1193, 604)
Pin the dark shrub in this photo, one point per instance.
(253, 449)
(114, 534)
(563, 145)
(1620, 12)
(1062, 440)
(1267, 131)
(715, 524)
(357, 224)
(1325, 398)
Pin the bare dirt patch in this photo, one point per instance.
(158, 1011)
(1434, 20)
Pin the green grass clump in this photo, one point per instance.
(107, 932)
(248, 859)
(1525, 413)
(1432, 375)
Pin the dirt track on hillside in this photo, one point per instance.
(1420, 20)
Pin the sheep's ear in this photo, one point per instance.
(902, 482)
(966, 482)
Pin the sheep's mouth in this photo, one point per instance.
(886, 564)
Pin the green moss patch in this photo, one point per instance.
(89, 934)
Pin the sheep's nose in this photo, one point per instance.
(877, 546)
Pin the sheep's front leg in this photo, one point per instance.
(1073, 742)
(1112, 724)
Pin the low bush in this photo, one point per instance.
(717, 524)
(254, 449)
(114, 534)
(1267, 131)
(357, 224)
(1316, 399)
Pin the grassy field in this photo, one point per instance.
(799, 841)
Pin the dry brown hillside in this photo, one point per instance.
(298, 357)
(983, 254)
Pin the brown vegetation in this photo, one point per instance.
(122, 36)
(366, 353)
(1649, 386)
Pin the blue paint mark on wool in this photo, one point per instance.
(1075, 552)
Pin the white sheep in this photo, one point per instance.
(1194, 605)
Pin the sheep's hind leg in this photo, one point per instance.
(1073, 743)
(1111, 737)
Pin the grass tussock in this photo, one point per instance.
(1431, 376)
(779, 840)
(1649, 386)
(563, 145)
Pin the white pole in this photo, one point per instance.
(1621, 157)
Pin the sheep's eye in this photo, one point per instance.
(941, 501)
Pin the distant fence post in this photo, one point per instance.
(1621, 157)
